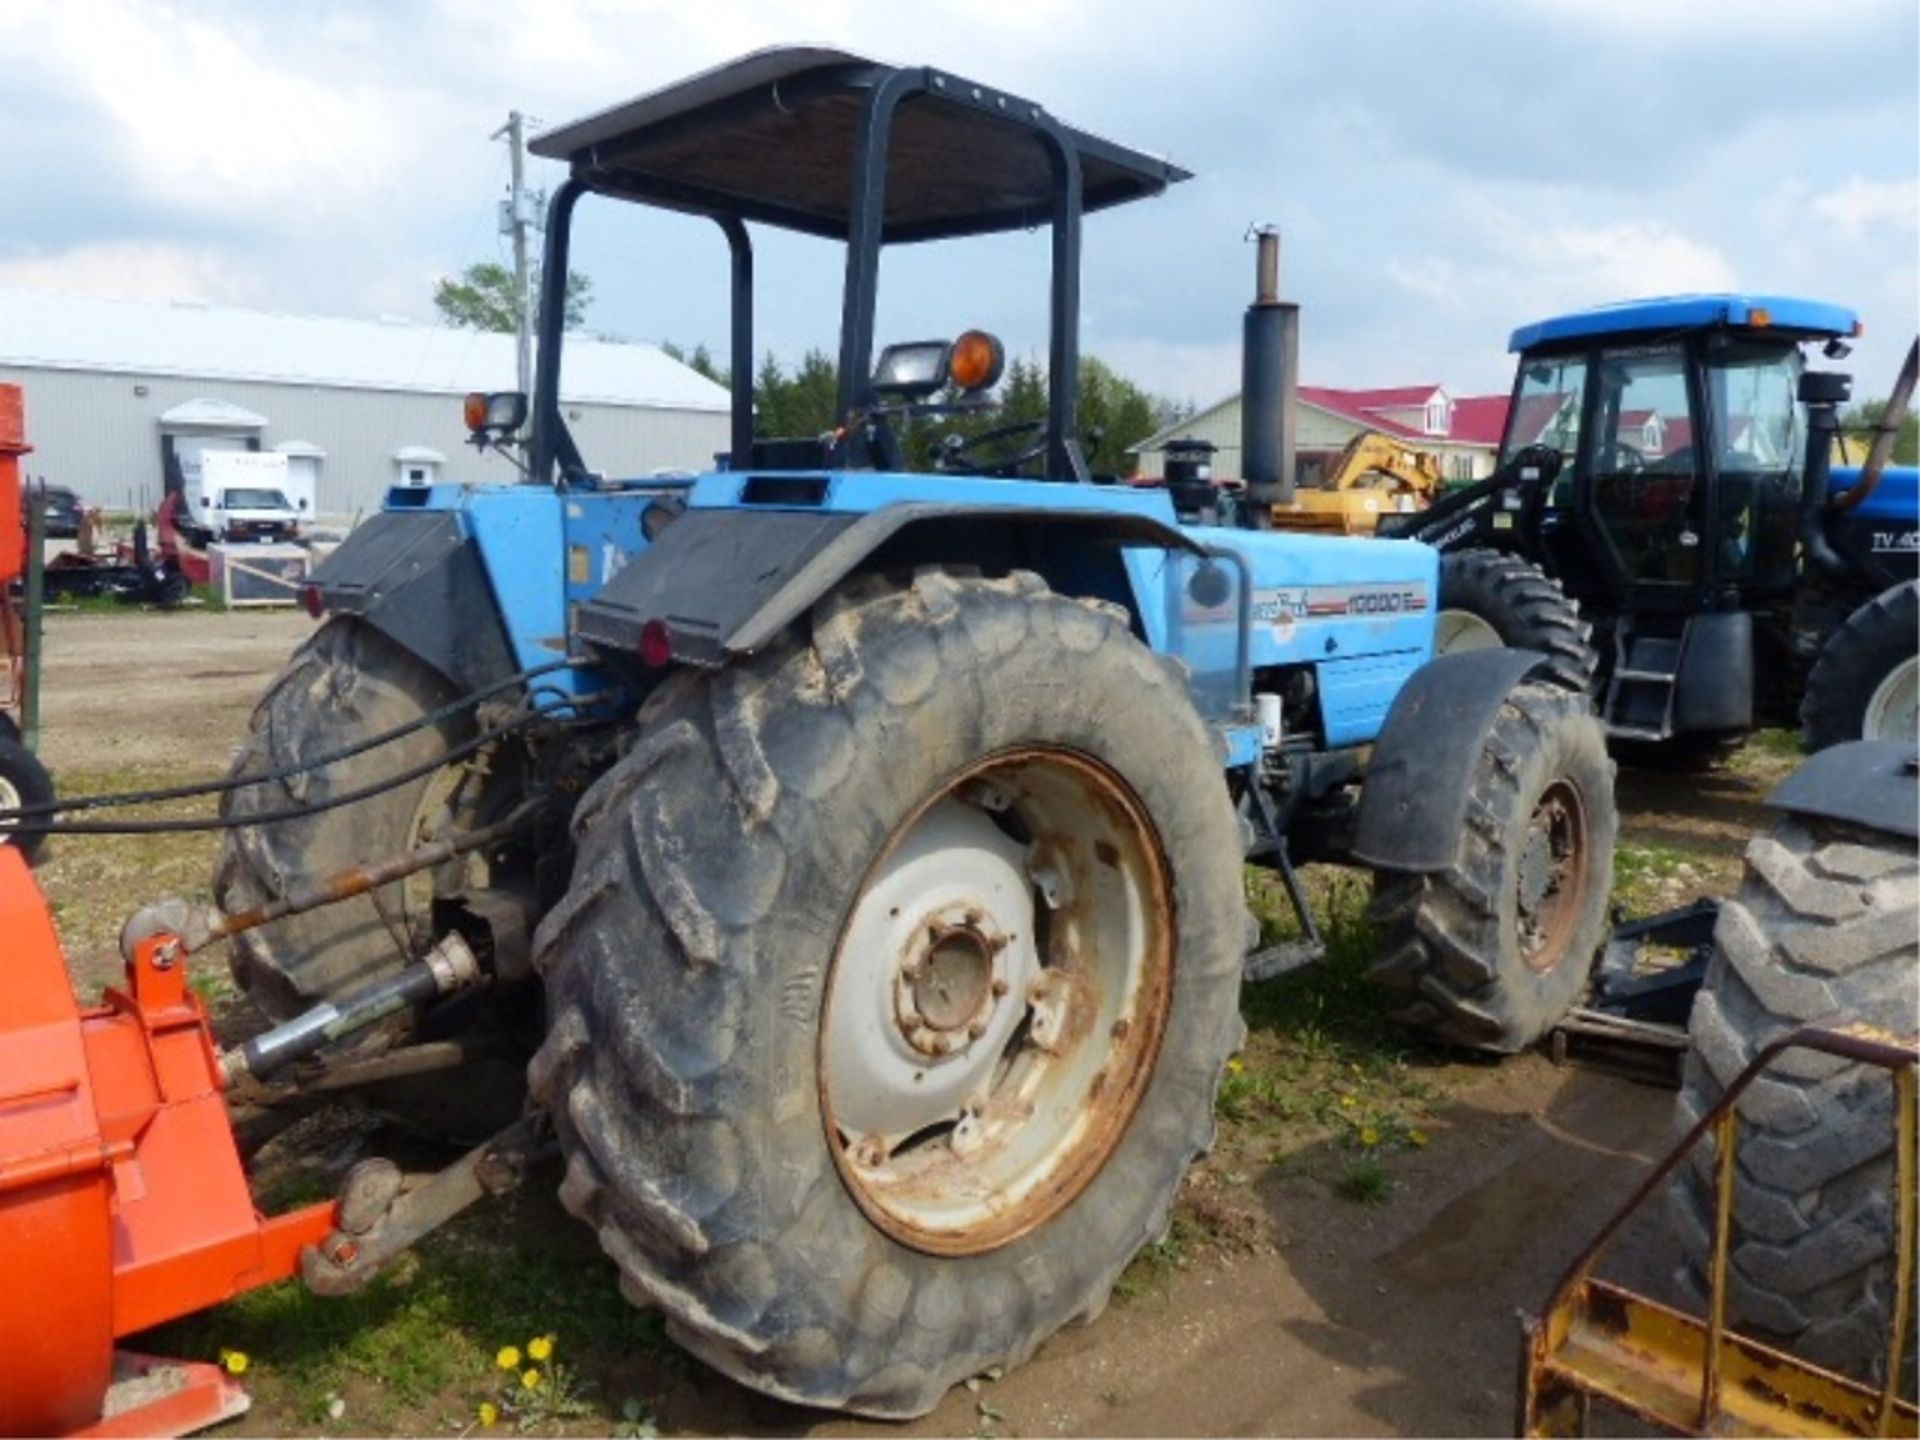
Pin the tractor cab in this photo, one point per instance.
(1681, 440)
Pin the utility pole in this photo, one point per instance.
(519, 217)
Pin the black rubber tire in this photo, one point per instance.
(686, 966)
(1528, 610)
(1823, 933)
(1857, 656)
(1451, 960)
(23, 776)
(345, 684)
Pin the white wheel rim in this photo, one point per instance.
(1893, 713)
(996, 1001)
(1457, 630)
(10, 799)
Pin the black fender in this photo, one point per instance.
(1871, 783)
(418, 578)
(727, 582)
(1413, 804)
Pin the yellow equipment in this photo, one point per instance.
(1375, 474)
(1695, 1375)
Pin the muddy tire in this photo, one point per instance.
(1489, 598)
(347, 683)
(698, 980)
(1492, 952)
(1862, 686)
(23, 781)
(1822, 933)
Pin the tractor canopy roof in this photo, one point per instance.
(1665, 314)
(774, 137)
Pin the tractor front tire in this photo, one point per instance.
(1823, 932)
(1863, 685)
(1491, 952)
(960, 838)
(23, 781)
(1489, 599)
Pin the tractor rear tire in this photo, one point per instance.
(1871, 654)
(696, 981)
(1490, 598)
(1492, 952)
(347, 683)
(1822, 933)
(23, 781)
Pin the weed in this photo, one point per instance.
(1365, 1182)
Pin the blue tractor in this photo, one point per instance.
(1669, 465)
(858, 849)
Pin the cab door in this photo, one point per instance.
(1641, 472)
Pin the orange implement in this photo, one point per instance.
(123, 1201)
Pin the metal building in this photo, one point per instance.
(118, 390)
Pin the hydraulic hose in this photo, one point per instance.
(10, 819)
(284, 772)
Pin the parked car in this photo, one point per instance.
(62, 513)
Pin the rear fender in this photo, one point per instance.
(726, 582)
(1413, 805)
(418, 577)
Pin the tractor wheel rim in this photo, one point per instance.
(1550, 881)
(996, 1001)
(1893, 711)
(1456, 630)
(10, 799)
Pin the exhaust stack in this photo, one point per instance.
(1270, 358)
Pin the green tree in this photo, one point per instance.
(699, 360)
(481, 298)
(1864, 418)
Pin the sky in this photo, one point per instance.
(1441, 173)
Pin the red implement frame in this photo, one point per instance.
(123, 1201)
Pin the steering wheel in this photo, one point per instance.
(955, 451)
(1631, 460)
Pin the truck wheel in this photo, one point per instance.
(896, 980)
(1493, 951)
(1489, 599)
(1823, 933)
(23, 781)
(1866, 683)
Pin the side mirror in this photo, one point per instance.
(303, 502)
(491, 416)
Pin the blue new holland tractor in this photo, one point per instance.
(857, 849)
(1669, 464)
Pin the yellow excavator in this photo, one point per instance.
(1374, 475)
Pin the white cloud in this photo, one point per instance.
(134, 270)
(1858, 204)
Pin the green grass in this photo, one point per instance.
(423, 1337)
(1364, 1182)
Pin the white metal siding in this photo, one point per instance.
(91, 431)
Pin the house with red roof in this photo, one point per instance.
(1463, 433)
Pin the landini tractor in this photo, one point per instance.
(847, 859)
(1669, 463)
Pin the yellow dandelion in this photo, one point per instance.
(489, 1414)
(1348, 1102)
(540, 1348)
(508, 1358)
(234, 1362)
(530, 1379)
(1236, 1065)
(1369, 1136)
(1418, 1137)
